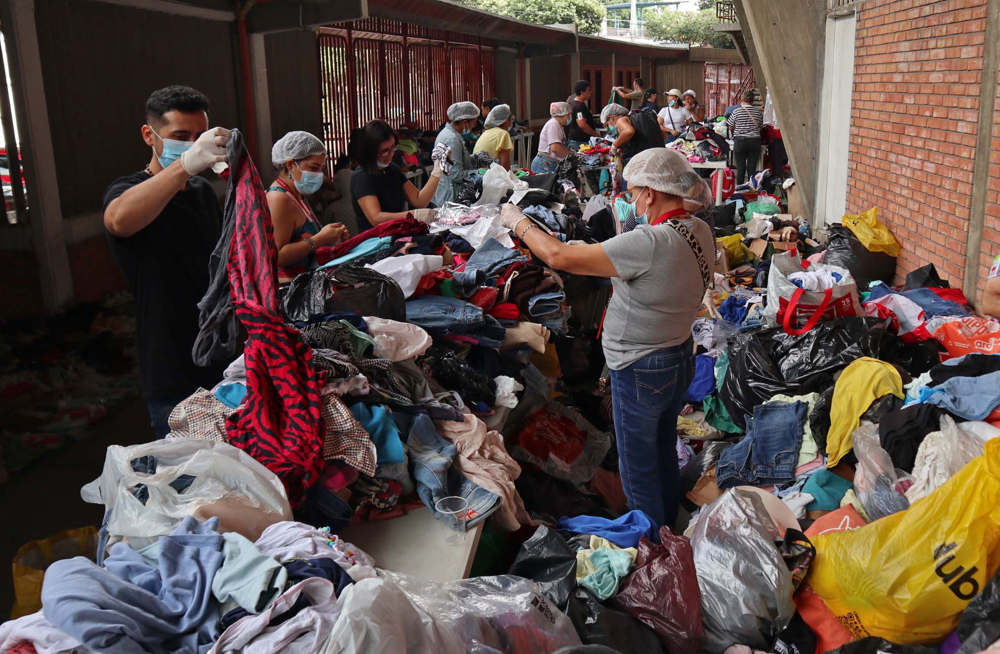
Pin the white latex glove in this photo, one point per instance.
(510, 216)
(426, 216)
(437, 172)
(614, 151)
(208, 150)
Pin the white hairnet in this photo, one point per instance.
(669, 172)
(296, 146)
(612, 109)
(498, 116)
(462, 111)
(560, 109)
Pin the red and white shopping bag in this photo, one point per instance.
(798, 310)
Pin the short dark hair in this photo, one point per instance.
(174, 98)
(638, 82)
(581, 87)
(749, 95)
(492, 102)
(343, 161)
(370, 140)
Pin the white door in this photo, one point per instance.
(835, 129)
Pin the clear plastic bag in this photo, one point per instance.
(746, 588)
(943, 453)
(876, 481)
(227, 483)
(562, 443)
(496, 182)
(396, 613)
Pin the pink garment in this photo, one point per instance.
(484, 461)
(817, 258)
(818, 462)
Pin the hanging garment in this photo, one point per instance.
(280, 424)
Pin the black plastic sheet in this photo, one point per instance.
(344, 289)
(979, 626)
(846, 251)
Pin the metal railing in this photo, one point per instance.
(725, 11)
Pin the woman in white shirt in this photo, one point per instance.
(674, 116)
(553, 146)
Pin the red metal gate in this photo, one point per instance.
(399, 73)
(723, 85)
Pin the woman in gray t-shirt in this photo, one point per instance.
(659, 272)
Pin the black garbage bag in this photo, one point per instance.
(771, 362)
(547, 560)
(979, 626)
(344, 289)
(819, 418)
(797, 638)
(545, 182)
(846, 251)
(597, 624)
(925, 277)
(470, 191)
(873, 645)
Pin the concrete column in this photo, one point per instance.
(44, 209)
(262, 106)
(984, 138)
(574, 68)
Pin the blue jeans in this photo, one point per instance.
(541, 165)
(432, 459)
(545, 304)
(441, 315)
(647, 397)
(575, 145)
(159, 411)
(769, 452)
(492, 257)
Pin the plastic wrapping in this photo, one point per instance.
(397, 341)
(227, 483)
(663, 592)
(344, 289)
(746, 588)
(32, 559)
(979, 626)
(547, 560)
(870, 231)
(846, 251)
(908, 577)
(398, 613)
(496, 183)
(943, 453)
(876, 481)
(562, 443)
(797, 310)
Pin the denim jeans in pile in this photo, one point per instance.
(647, 397)
(769, 452)
(492, 257)
(433, 461)
(441, 315)
(545, 304)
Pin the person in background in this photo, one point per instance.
(553, 145)
(583, 125)
(462, 117)
(744, 126)
(342, 209)
(673, 117)
(690, 102)
(487, 107)
(162, 224)
(659, 272)
(496, 141)
(407, 151)
(634, 132)
(991, 295)
(649, 99)
(379, 189)
(635, 96)
(299, 158)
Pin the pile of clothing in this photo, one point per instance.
(62, 374)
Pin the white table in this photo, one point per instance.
(719, 179)
(522, 150)
(413, 544)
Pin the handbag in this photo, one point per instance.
(797, 310)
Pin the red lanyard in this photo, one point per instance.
(670, 214)
(306, 209)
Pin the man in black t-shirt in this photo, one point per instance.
(583, 125)
(162, 224)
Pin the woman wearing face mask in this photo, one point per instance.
(379, 189)
(659, 272)
(462, 117)
(300, 159)
(553, 146)
(496, 141)
(690, 102)
(673, 117)
(635, 132)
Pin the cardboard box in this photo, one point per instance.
(759, 247)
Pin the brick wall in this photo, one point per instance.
(991, 222)
(918, 67)
(95, 273)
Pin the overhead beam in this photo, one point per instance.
(282, 16)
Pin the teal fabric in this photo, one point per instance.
(612, 566)
(380, 425)
(827, 489)
(365, 248)
(248, 578)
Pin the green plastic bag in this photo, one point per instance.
(765, 208)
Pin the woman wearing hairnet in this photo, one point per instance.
(300, 159)
(450, 150)
(659, 272)
(634, 132)
(553, 145)
(496, 141)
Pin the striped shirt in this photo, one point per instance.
(745, 122)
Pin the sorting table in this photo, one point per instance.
(719, 179)
(413, 544)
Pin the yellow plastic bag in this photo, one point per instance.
(32, 559)
(868, 229)
(908, 577)
(736, 252)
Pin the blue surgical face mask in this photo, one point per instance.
(310, 182)
(172, 150)
(612, 130)
(635, 208)
(673, 103)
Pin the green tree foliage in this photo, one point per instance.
(690, 27)
(706, 4)
(587, 14)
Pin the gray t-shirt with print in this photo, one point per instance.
(657, 293)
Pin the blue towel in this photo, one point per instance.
(623, 532)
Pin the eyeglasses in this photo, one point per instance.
(385, 151)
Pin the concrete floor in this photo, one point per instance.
(44, 498)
